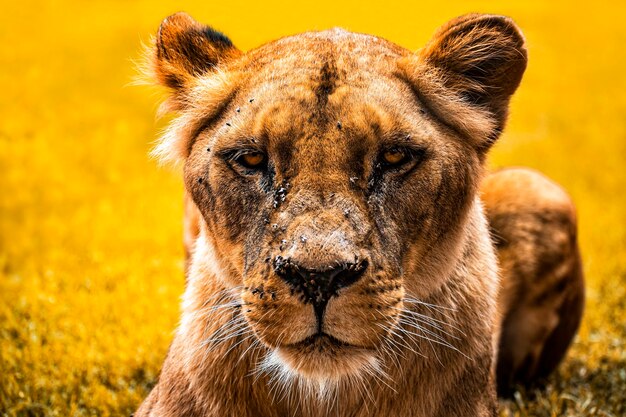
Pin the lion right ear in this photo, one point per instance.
(185, 50)
(479, 59)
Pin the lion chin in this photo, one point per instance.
(321, 361)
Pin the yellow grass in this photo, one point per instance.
(90, 227)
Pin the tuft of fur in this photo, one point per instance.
(204, 99)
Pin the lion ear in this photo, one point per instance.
(481, 59)
(186, 49)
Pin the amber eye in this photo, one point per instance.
(249, 159)
(394, 157)
(401, 158)
(244, 160)
(252, 160)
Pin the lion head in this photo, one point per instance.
(334, 172)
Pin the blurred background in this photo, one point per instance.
(90, 227)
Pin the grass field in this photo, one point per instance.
(90, 227)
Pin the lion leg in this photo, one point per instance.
(533, 224)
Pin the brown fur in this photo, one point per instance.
(533, 223)
(325, 281)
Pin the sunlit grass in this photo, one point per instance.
(90, 227)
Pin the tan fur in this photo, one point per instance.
(533, 223)
(325, 282)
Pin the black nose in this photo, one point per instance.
(317, 286)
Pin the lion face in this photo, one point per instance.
(333, 172)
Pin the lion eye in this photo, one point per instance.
(400, 158)
(394, 157)
(253, 160)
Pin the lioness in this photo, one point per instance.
(341, 260)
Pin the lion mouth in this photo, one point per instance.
(321, 342)
(323, 357)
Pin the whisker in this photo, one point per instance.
(429, 318)
(251, 334)
(379, 375)
(391, 353)
(255, 344)
(429, 332)
(436, 329)
(435, 306)
(442, 343)
(401, 340)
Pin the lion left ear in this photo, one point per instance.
(479, 59)
(191, 59)
(185, 50)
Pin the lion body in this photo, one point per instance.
(323, 280)
(533, 223)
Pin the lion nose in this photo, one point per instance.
(317, 286)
